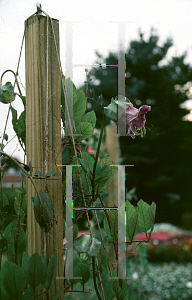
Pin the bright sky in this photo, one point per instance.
(96, 30)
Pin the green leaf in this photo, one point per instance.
(23, 174)
(5, 137)
(146, 216)
(43, 217)
(65, 156)
(82, 243)
(8, 229)
(58, 294)
(109, 290)
(51, 174)
(79, 107)
(103, 258)
(17, 194)
(151, 212)
(94, 248)
(111, 110)
(118, 291)
(51, 272)
(38, 216)
(82, 270)
(84, 256)
(83, 164)
(4, 295)
(5, 200)
(25, 262)
(11, 252)
(75, 262)
(29, 293)
(19, 239)
(125, 290)
(38, 173)
(6, 92)
(18, 208)
(35, 270)
(130, 210)
(98, 170)
(89, 117)
(132, 223)
(19, 124)
(3, 243)
(112, 233)
(85, 129)
(89, 159)
(106, 174)
(47, 208)
(107, 284)
(43, 280)
(15, 281)
(71, 93)
(75, 231)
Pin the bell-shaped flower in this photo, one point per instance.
(135, 119)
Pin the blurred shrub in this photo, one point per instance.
(186, 221)
(178, 249)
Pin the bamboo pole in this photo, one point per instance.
(43, 142)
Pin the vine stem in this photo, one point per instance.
(108, 219)
(94, 279)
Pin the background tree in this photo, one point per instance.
(162, 159)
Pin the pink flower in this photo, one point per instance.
(135, 119)
(89, 150)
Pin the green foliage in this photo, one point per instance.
(112, 229)
(6, 92)
(51, 272)
(107, 284)
(14, 240)
(85, 243)
(15, 281)
(50, 174)
(132, 222)
(33, 271)
(85, 130)
(80, 270)
(3, 293)
(44, 213)
(89, 117)
(19, 125)
(79, 107)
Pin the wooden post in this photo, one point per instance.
(113, 149)
(44, 142)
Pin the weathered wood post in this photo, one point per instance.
(113, 149)
(43, 133)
